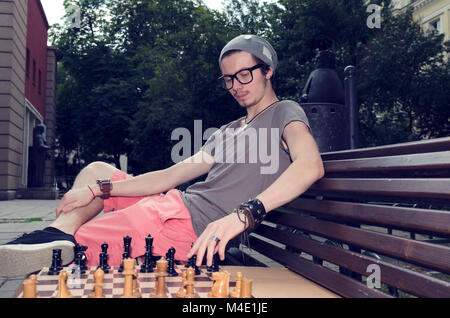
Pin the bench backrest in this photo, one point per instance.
(379, 215)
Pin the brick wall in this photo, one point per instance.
(13, 26)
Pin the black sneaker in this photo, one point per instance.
(33, 251)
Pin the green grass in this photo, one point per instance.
(32, 220)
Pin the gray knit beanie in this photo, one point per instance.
(254, 45)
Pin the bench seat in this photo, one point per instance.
(376, 225)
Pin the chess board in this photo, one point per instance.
(80, 286)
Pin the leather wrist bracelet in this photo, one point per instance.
(105, 187)
(254, 212)
(246, 217)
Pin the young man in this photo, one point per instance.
(210, 213)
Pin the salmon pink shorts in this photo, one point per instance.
(163, 216)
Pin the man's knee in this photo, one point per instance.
(99, 170)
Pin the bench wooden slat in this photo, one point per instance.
(410, 219)
(420, 253)
(334, 281)
(235, 256)
(415, 188)
(407, 280)
(423, 146)
(424, 161)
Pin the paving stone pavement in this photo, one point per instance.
(18, 217)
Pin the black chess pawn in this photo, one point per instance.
(104, 247)
(171, 272)
(124, 256)
(55, 267)
(215, 265)
(193, 264)
(103, 262)
(103, 258)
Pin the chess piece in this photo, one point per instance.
(160, 285)
(221, 285)
(182, 291)
(80, 259)
(129, 272)
(103, 262)
(63, 290)
(149, 264)
(215, 265)
(126, 251)
(127, 245)
(190, 273)
(136, 292)
(77, 268)
(171, 272)
(149, 243)
(237, 289)
(55, 267)
(103, 258)
(246, 288)
(29, 287)
(193, 264)
(98, 284)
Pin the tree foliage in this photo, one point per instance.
(135, 70)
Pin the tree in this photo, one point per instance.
(307, 26)
(402, 84)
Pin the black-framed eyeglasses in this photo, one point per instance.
(244, 76)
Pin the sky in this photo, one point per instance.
(54, 9)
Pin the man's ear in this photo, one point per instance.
(269, 73)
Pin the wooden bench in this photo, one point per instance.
(378, 212)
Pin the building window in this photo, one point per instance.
(435, 25)
(34, 72)
(27, 70)
(39, 82)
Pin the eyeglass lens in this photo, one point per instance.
(243, 77)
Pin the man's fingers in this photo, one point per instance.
(211, 251)
(221, 249)
(68, 208)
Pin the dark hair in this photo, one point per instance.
(264, 69)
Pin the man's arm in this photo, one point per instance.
(305, 169)
(142, 185)
(162, 180)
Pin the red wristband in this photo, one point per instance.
(91, 191)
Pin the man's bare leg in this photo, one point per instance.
(33, 251)
(71, 221)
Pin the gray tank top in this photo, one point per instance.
(247, 160)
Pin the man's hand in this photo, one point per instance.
(224, 229)
(73, 199)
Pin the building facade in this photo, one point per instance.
(27, 93)
(431, 14)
